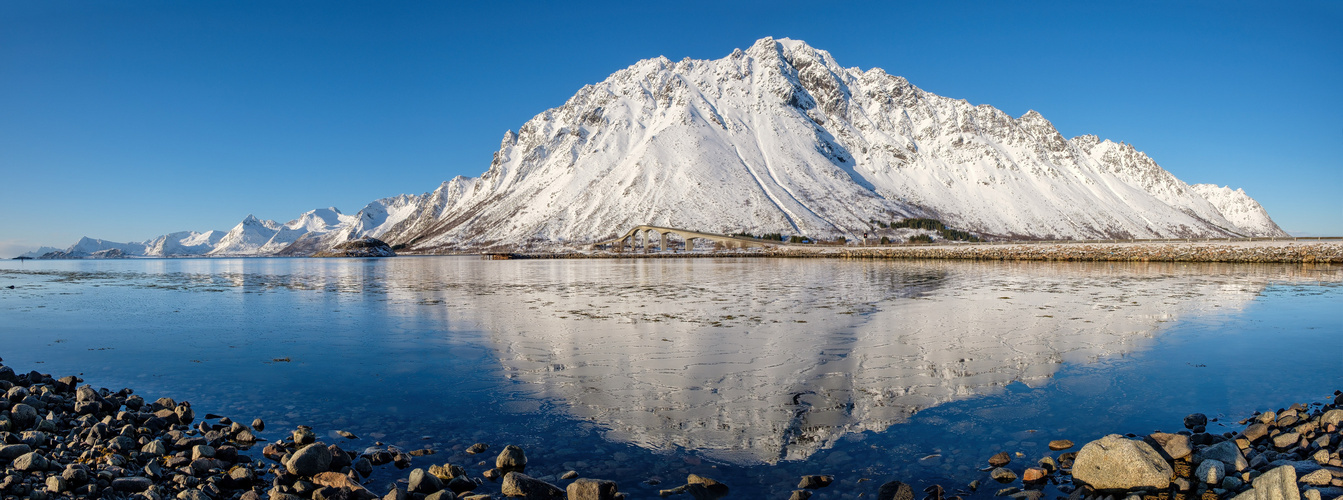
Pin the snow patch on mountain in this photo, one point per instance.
(1240, 209)
(777, 138)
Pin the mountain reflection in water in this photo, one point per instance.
(751, 366)
(747, 361)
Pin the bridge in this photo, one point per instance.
(641, 238)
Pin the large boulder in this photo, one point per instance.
(310, 460)
(1116, 463)
(1276, 484)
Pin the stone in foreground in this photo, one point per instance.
(591, 489)
(1116, 463)
(519, 485)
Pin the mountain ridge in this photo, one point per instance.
(777, 138)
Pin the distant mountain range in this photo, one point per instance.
(778, 138)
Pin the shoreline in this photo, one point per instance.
(1255, 252)
(63, 438)
(1248, 251)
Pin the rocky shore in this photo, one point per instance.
(61, 438)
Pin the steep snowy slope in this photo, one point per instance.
(778, 138)
(781, 138)
(183, 244)
(1239, 208)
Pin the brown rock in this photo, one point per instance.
(1000, 459)
(1034, 474)
(591, 489)
(1060, 444)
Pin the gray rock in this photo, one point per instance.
(1320, 477)
(424, 482)
(131, 484)
(23, 416)
(362, 466)
(895, 490)
(184, 413)
(1334, 416)
(517, 484)
(303, 435)
(1311, 494)
(1276, 484)
(75, 475)
(155, 447)
(1116, 463)
(591, 489)
(57, 484)
(258, 425)
(1002, 475)
(1231, 483)
(29, 462)
(1286, 440)
(1255, 431)
(310, 460)
(1300, 466)
(1211, 471)
(1226, 452)
(1175, 445)
(441, 495)
(13, 451)
(511, 459)
(1195, 420)
(198, 495)
(122, 444)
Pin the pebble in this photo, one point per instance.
(1060, 444)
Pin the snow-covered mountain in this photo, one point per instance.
(778, 138)
(1239, 208)
(781, 138)
(38, 253)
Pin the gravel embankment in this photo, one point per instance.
(1245, 252)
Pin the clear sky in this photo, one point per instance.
(127, 120)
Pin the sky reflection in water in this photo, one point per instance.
(654, 368)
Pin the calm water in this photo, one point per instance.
(751, 371)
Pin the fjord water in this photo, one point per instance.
(750, 371)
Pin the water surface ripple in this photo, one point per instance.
(749, 370)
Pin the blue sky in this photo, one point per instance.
(126, 120)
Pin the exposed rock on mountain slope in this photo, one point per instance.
(1239, 209)
(778, 138)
